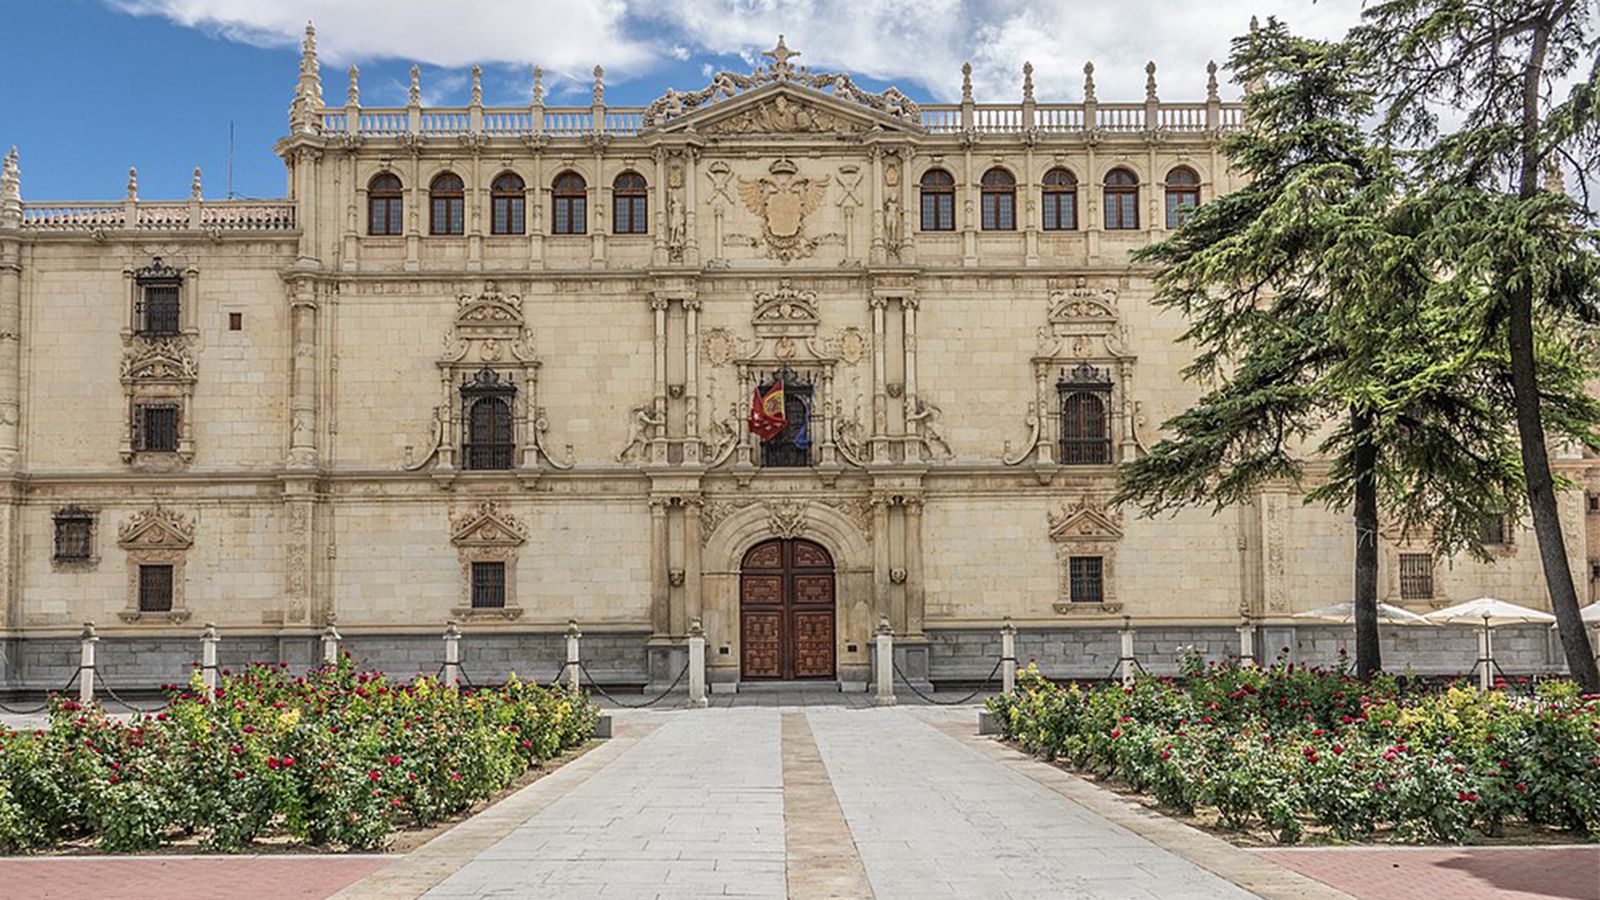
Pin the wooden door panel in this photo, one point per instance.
(761, 590)
(813, 644)
(761, 644)
(813, 590)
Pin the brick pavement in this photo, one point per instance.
(286, 877)
(1459, 873)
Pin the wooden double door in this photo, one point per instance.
(786, 611)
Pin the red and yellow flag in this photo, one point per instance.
(767, 418)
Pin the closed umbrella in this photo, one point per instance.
(1487, 613)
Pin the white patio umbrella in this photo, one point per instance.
(1591, 614)
(1487, 613)
(1345, 614)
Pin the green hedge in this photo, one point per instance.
(333, 758)
(1284, 748)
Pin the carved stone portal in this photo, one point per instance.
(488, 534)
(156, 537)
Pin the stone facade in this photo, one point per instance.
(321, 358)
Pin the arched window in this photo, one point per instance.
(446, 204)
(385, 205)
(1084, 394)
(1060, 201)
(489, 441)
(570, 194)
(630, 204)
(938, 201)
(508, 205)
(1122, 200)
(999, 200)
(1183, 195)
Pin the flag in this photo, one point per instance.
(766, 412)
(802, 431)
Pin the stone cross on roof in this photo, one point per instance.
(781, 54)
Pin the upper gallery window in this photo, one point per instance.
(570, 195)
(1183, 195)
(630, 204)
(938, 201)
(446, 204)
(1122, 200)
(999, 200)
(385, 205)
(1060, 201)
(507, 205)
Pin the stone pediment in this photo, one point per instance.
(490, 310)
(162, 360)
(156, 529)
(786, 311)
(1085, 520)
(785, 108)
(488, 525)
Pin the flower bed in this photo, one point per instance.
(1286, 749)
(334, 758)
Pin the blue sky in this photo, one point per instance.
(105, 84)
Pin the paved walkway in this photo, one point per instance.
(1427, 873)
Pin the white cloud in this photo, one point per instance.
(920, 44)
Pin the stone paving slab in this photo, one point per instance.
(1460, 873)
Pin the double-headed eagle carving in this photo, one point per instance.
(783, 201)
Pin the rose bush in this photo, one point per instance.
(1285, 748)
(332, 758)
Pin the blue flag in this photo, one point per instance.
(802, 432)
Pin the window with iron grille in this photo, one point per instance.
(155, 588)
(1084, 394)
(158, 310)
(1122, 200)
(490, 438)
(791, 447)
(508, 205)
(1183, 195)
(999, 198)
(1492, 530)
(1060, 192)
(488, 585)
(1086, 577)
(569, 196)
(938, 201)
(1416, 576)
(156, 427)
(630, 204)
(385, 205)
(446, 205)
(74, 535)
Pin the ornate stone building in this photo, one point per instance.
(494, 364)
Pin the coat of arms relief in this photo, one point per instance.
(783, 199)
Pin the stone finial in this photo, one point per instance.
(966, 82)
(1088, 82)
(477, 85)
(194, 185)
(10, 190)
(780, 56)
(1150, 80)
(1027, 82)
(415, 96)
(1255, 24)
(1211, 82)
(538, 86)
(305, 111)
(354, 97)
(133, 183)
(599, 86)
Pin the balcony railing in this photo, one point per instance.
(141, 215)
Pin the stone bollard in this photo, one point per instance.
(452, 654)
(209, 639)
(885, 663)
(572, 671)
(1247, 643)
(330, 646)
(1127, 661)
(86, 642)
(697, 664)
(1008, 658)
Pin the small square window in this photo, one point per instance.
(235, 321)
(1086, 575)
(1416, 576)
(155, 588)
(488, 585)
(1594, 503)
(157, 427)
(1492, 531)
(74, 535)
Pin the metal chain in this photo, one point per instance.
(46, 704)
(975, 691)
(657, 699)
(113, 695)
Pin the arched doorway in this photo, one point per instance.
(786, 611)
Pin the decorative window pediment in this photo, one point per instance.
(488, 540)
(1082, 305)
(158, 373)
(153, 539)
(786, 312)
(1083, 531)
(488, 526)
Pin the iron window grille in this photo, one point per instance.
(385, 206)
(1086, 579)
(508, 205)
(488, 585)
(1084, 395)
(489, 434)
(155, 588)
(157, 308)
(1416, 576)
(630, 204)
(1492, 530)
(74, 535)
(156, 428)
(791, 447)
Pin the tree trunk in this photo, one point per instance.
(1530, 419)
(1369, 657)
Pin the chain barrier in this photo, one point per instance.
(1116, 670)
(560, 672)
(652, 702)
(46, 704)
(975, 691)
(100, 680)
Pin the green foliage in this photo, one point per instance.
(334, 758)
(1286, 748)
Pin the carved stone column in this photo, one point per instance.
(694, 602)
(969, 218)
(660, 609)
(658, 250)
(1044, 450)
(307, 172)
(908, 317)
(691, 380)
(599, 210)
(916, 600)
(413, 213)
(303, 374)
(10, 353)
(691, 177)
(350, 258)
(1090, 192)
(535, 201)
(880, 391)
(299, 497)
(658, 442)
(1030, 211)
(474, 214)
(880, 557)
(879, 252)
